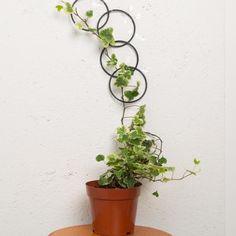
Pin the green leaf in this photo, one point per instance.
(148, 144)
(131, 94)
(130, 182)
(124, 75)
(112, 159)
(79, 25)
(68, 8)
(141, 111)
(153, 171)
(112, 61)
(137, 121)
(122, 130)
(121, 81)
(162, 161)
(165, 180)
(119, 174)
(137, 133)
(138, 150)
(106, 37)
(89, 13)
(100, 158)
(122, 134)
(121, 183)
(153, 159)
(163, 170)
(103, 180)
(59, 7)
(196, 162)
(156, 194)
(139, 118)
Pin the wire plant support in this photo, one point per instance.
(120, 43)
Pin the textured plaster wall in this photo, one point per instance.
(57, 114)
(230, 117)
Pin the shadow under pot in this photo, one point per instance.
(113, 209)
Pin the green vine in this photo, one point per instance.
(140, 153)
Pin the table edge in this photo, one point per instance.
(86, 225)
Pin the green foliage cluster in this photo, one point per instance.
(131, 94)
(124, 76)
(112, 61)
(66, 6)
(137, 157)
(106, 37)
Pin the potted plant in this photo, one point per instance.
(114, 195)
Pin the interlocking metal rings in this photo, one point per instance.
(123, 100)
(119, 43)
(127, 44)
(107, 10)
(108, 13)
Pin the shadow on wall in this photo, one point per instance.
(82, 210)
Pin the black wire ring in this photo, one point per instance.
(159, 140)
(121, 100)
(108, 16)
(128, 44)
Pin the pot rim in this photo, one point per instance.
(111, 194)
(93, 184)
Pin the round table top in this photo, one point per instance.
(86, 230)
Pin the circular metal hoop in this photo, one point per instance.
(126, 44)
(107, 10)
(120, 99)
(108, 16)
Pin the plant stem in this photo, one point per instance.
(107, 55)
(124, 106)
(128, 117)
(85, 22)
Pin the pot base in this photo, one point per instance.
(100, 234)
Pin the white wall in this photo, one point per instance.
(230, 117)
(57, 114)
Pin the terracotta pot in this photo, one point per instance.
(113, 210)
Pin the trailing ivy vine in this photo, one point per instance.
(139, 154)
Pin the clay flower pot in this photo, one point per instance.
(113, 210)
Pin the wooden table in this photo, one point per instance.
(86, 230)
